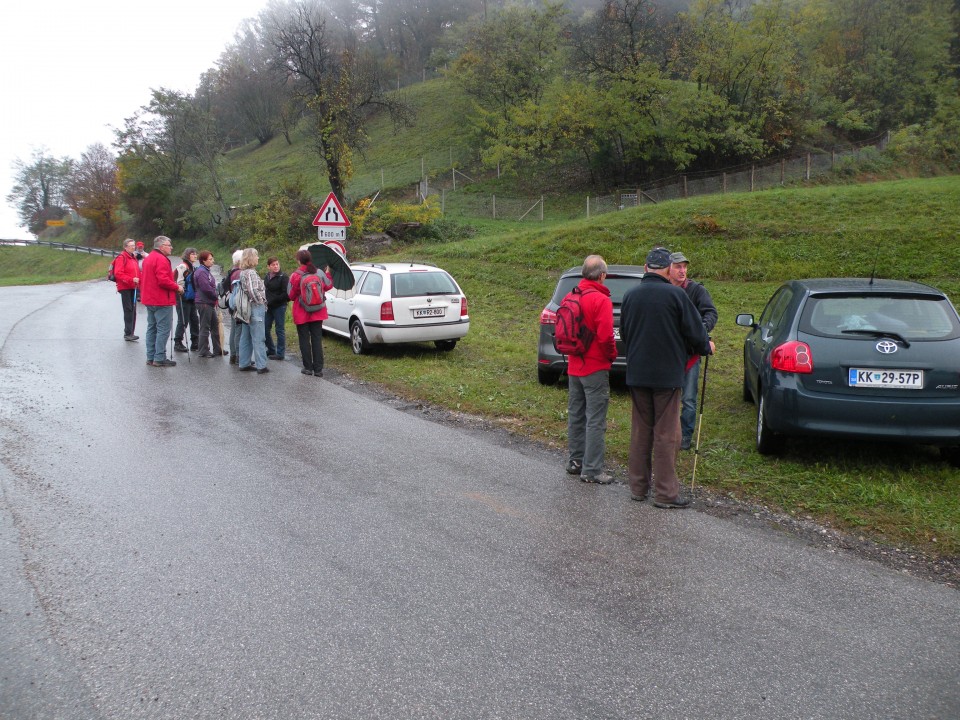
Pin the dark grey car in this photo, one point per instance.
(855, 358)
(551, 364)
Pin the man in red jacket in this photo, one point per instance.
(589, 378)
(126, 270)
(158, 292)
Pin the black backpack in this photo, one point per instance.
(571, 335)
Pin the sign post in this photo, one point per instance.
(331, 221)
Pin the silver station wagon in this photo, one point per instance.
(398, 303)
(855, 358)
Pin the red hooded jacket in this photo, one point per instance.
(598, 316)
(157, 286)
(125, 269)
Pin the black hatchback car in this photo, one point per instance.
(551, 364)
(855, 358)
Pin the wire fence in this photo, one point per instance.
(447, 175)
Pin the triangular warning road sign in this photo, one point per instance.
(331, 214)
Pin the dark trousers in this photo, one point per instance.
(187, 315)
(310, 336)
(209, 329)
(276, 317)
(654, 441)
(129, 311)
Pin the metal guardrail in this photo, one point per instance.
(103, 252)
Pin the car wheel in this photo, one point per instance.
(445, 345)
(951, 455)
(547, 377)
(358, 341)
(768, 442)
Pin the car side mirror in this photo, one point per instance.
(746, 320)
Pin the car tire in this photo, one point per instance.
(547, 377)
(358, 341)
(768, 442)
(445, 345)
(951, 455)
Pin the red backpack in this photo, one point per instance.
(571, 335)
(312, 298)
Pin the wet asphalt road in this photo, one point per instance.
(196, 542)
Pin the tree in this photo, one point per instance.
(38, 189)
(92, 190)
(338, 82)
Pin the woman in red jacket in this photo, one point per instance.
(309, 323)
(126, 271)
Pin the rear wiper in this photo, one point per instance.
(879, 334)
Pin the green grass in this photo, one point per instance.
(38, 265)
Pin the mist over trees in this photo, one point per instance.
(597, 92)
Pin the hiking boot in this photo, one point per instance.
(179, 347)
(574, 467)
(206, 355)
(306, 372)
(261, 371)
(131, 338)
(678, 503)
(601, 479)
(685, 442)
(164, 363)
(234, 360)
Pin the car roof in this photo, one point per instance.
(817, 286)
(395, 267)
(611, 270)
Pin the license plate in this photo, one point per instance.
(906, 379)
(428, 312)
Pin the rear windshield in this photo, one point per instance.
(913, 318)
(427, 282)
(618, 287)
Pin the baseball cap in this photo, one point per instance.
(678, 257)
(658, 258)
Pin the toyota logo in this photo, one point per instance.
(887, 347)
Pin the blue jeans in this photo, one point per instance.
(277, 317)
(589, 397)
(688, 415)
(159, 322)
(252, 346)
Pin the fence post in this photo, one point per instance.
(833, 157)
(381, 178)
(808, 167)
(588, 207)
(724, 182)
(752, 169)
(685, 196)
(541, 208)
(453, 174)
(494, 207)
(443, 200)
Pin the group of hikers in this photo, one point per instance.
(257, 306)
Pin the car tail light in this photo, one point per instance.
(792, 357)
(463, 306)
(548, 317)
(386, 311)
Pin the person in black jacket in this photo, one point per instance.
(708, 313)
(275, 282)
(660, 327)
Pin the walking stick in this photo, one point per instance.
(703, 395)
(216, 313)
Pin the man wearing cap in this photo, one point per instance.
(657, 325)
(708, 313)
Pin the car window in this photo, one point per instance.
(358, 277)
(775, 309)
(914, 318)
(412, 284)
(372, 284)
(618, 287)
